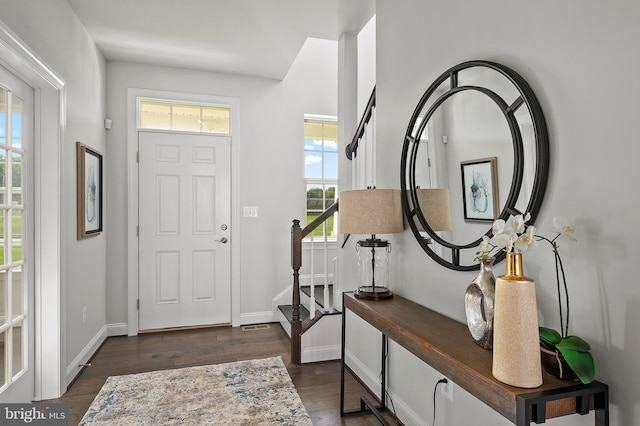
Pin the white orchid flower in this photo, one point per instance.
(498, 227)
(505, 240)
(515, 235)
(484, 244)
(484, 249)
(519, 222)
(562, 226)
(526, 240)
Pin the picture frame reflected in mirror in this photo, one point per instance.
(480, 189)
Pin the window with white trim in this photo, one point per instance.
(321, 168)
(183, 116)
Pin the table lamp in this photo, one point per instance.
(371, 211)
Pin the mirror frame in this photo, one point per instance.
(410, 206)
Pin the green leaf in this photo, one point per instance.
(581, 363)
(544, 339)
(573, 343)
(550, 335)
(548, 346)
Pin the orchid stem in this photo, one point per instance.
(559, 294)
(566, 290)
(564, 322)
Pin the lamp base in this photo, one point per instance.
(373, 293)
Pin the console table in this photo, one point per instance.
(447, 346)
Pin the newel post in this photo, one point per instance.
(296, 263)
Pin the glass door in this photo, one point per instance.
(16, 295)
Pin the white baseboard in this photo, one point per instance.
(85, 355)
(280, 318)
(318, 354)
(371, 379)
(121, 329)
(257, 318)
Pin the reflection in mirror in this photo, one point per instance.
(475, 111)
(434, 205)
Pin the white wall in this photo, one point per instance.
(366, 64)
(581, 60)
(52, 31)
(270, 164)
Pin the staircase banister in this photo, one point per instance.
(353, 146)
(298, 234)
(320, 219)
(296, 244)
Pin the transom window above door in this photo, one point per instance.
(183, 117)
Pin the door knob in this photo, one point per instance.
(223, 240)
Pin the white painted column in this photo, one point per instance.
(347, 124)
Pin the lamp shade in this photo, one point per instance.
(434, 204)
(370, 211)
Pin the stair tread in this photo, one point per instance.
(287, 310)
(319, 293)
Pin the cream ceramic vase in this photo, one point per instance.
(516, 343)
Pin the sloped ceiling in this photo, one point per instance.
(249, 37)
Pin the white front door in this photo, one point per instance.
(17, 383)
(184, 214)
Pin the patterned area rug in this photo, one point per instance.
(255, 392)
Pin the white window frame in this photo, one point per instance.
(320, 181)
(171, 103)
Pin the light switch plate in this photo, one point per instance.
(250, 211)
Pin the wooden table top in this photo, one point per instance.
(447, 346)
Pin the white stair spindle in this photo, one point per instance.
(312, 297)
(337, 293)
(326, 298)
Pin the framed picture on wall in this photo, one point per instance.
(480, 189)
(89, 182)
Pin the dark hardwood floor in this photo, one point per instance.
(318, 384)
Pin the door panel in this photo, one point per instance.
(17, 295)
(184, 213)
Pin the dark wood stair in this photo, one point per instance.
(287, 310)
(319, 293)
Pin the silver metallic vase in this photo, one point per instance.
(478, 304)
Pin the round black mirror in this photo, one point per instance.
(478, 132)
